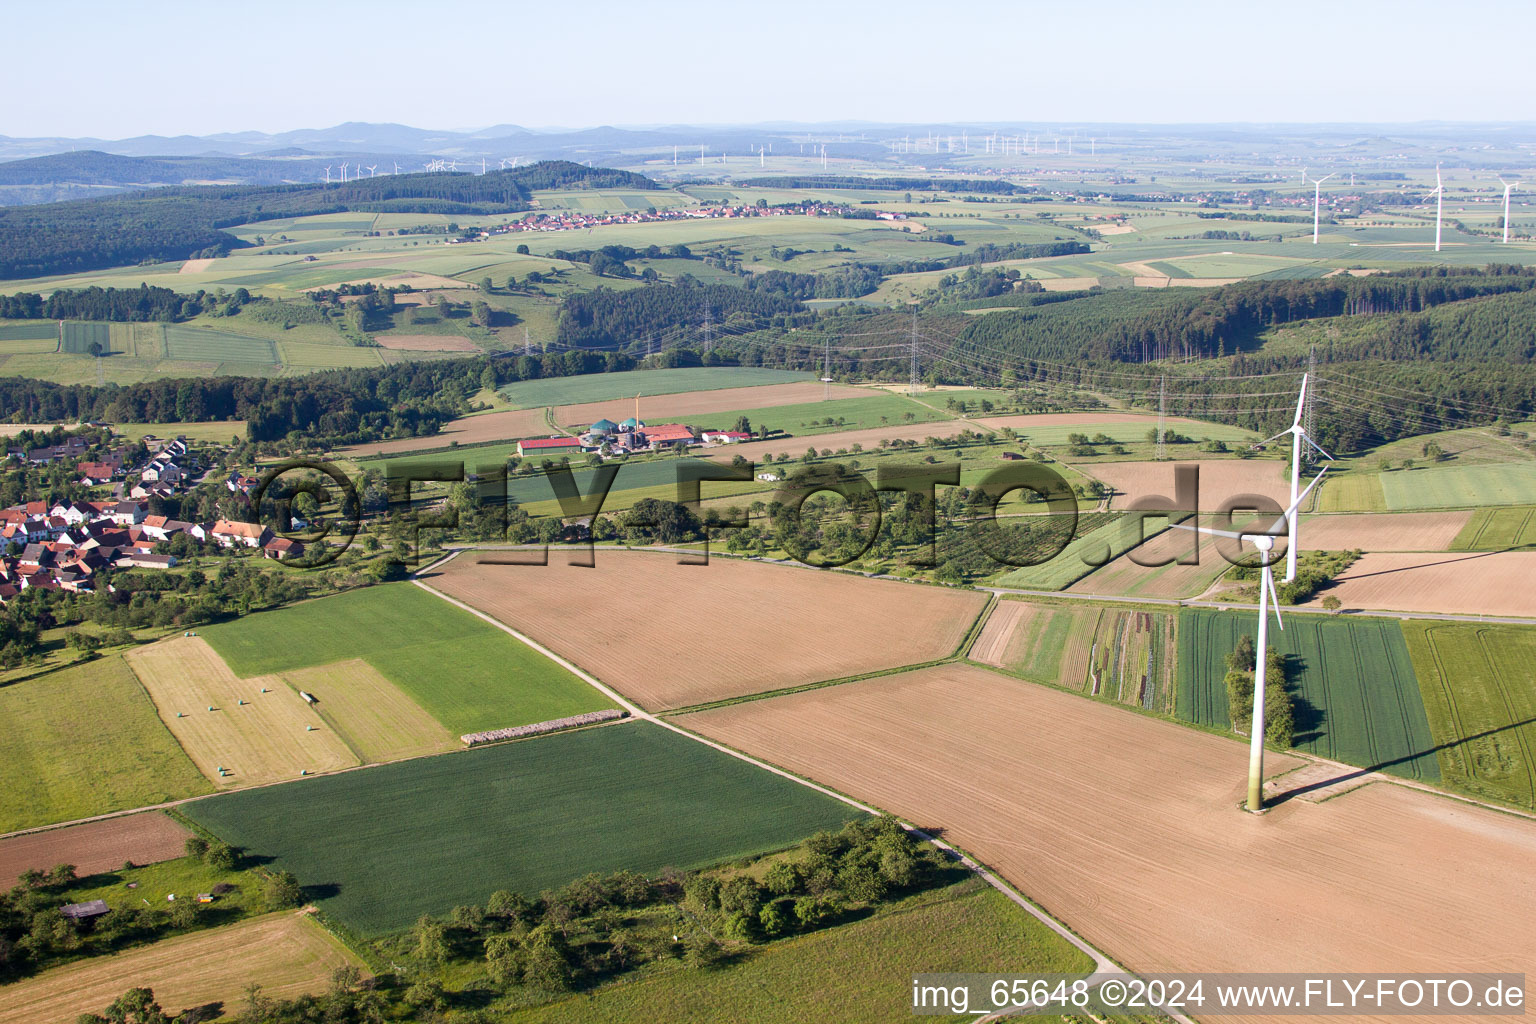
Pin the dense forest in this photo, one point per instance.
(180, 223)
(123, 305)
(92, 167)
(603, 318)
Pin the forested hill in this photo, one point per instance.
(181, 222)
(92, 167)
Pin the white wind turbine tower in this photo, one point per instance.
(328, 174)
(1509, 186)
(373, 170)
(1439, 194)
(343, 174)
(1265, 543)
(1317, 199)
(1298, 435)
(397, 168)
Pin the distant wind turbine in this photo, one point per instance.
(1317, 200)
(343, 174)
(372, 170)
(1265, 543)
(328, 174)
(1509, 186)
(1439, 194)
(397, 168)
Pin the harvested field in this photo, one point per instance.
(270, 737)
(490, 426)
(1493, 583)
(670, 651)
(666, 408)
(371, 714)
(426, 342)
(1219, 480)
(870, 438)
(1399, 531)
(1139, 846)
(287, 954)
(196, 266)
(1005, 619)
(93, 847)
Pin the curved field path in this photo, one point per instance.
(1127, 828)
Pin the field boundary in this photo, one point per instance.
(1101, 962)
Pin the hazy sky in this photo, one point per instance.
(111, 69)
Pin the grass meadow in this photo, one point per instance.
(379, 848)
(1355, 694)
(1497, 529)
(843, 974)
(465, 673)
(86, 740)
(605, 387)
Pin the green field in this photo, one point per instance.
(218, 431)
(1099, 537)
(85, 740)
(843, 974)
(1510, 483)
(881, 408)
(467, 674)
(30, 330)
(1354, 690)
(604, 387)
(1351, 490)
(386, 845)
(199, 344)
(1497, 529)
(1482, 710)
(79, 336)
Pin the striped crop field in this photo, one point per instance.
(1354, 690)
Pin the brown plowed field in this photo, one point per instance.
(667, 408)
(671, 636)
(1389, 531)
(492, 426)
(992, 645)
(426, 342)
(1220, 479)
(870, 438)
(93, 847)
(1128, 829)
(1456, 583)
(287, 954)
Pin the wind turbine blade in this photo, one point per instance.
(1208, 531)
(1274, 598)
(1302, 497)
(1315, 445)
(1301, 404)
(1267, 440)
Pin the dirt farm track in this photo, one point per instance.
(1127, 828)
(671, 636)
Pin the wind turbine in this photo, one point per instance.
(373, 170)
(1439, 194)
(328, 174)
(1265, 543)
(1298, 435)
(397, 168)
(1509, 186)
(343, 174)
(1317, 199)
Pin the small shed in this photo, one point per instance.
(84, 911)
